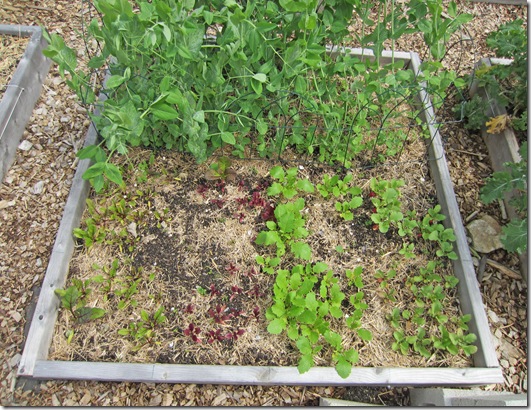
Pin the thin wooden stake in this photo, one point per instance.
(504, 269)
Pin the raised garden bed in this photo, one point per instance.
(21, 93)
(502, 147)
(35, 361)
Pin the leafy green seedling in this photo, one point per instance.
(144, 331)
(287, 184)
(74, 299)
(289, 227)
(221, 170)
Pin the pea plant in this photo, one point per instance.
(198, 76)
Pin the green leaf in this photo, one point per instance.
(305, 185)
(94, 152)
(228, 138)
(164, 111)
(469, 349)
(97, 182)
(114, 81)
(334, 339)
(289, 193)
(304, 346)
(470, 338)
(267, 238)
(85, 314)
(343, 368)
(300, 85)
(293, 332)
(261, 77)
(307, 317)
(515, 236)
(95, 170)
(96, 62)
(323, 309)
(278, 309)
(276, 326)
(356, 202)
(256, 86)
(199, 116)
(499, 183)
(320, 267)
(301, 250)
(114, 174)
(351, 355)
(305, 363)
(336, 295)
(277, 172)
(311, 302)
(69, 297)
(336, 312)
(364, 334)
(261, 127)
(97, 313)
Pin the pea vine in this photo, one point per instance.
(245, 77)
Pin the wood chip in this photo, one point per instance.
(504, 269)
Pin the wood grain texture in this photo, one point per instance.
(256, 375)
(502, 147)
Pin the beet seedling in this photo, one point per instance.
(193, 332)
(74, 299)
(220, 170)
(144, 331)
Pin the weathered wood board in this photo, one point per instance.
(486, 370)
(264, 375)
(502, 147)
(21, 93)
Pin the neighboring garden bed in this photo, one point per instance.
(218, 277)
(498, 108)
(22, 88)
